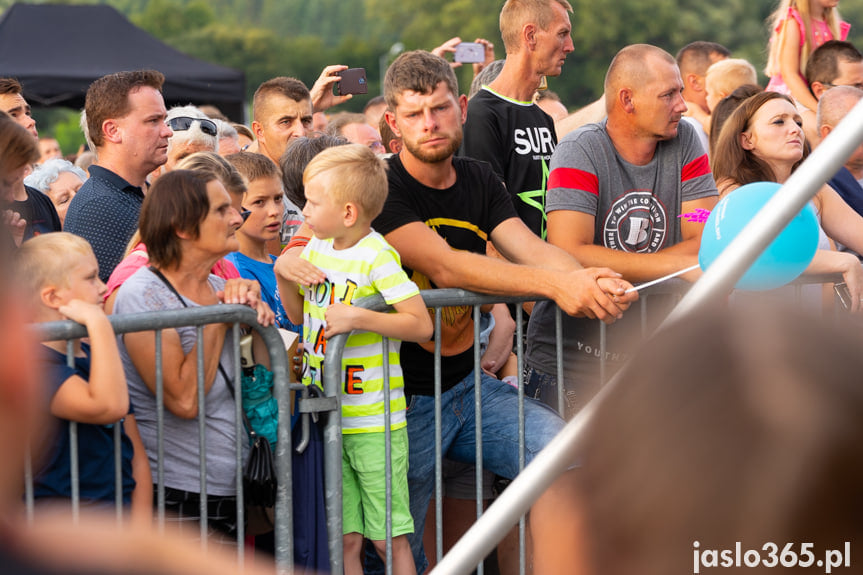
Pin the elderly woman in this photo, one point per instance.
(59, 180)
(188, 224)
(763, 141)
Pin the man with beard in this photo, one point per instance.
(618, 194)
(440, 212)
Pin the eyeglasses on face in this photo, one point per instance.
(183, 123)
(829, 85)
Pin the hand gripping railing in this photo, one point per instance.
(200, 316)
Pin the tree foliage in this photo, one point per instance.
(267, 38)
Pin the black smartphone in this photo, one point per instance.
(470, 53)
(353, 81)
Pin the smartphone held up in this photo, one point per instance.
(353, 81)
(469, 53)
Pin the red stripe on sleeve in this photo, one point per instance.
(696, 168)
(573, 178)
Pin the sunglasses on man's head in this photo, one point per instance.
(183, 123)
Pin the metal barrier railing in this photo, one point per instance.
(200, 316)
(717, 282)
(438, 299)
(328, 405)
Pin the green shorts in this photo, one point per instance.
(364, 484)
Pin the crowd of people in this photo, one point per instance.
(500, 191)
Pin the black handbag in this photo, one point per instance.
(259, 475)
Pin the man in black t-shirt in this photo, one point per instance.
(504, 126)
(439, 214)
(30, 204)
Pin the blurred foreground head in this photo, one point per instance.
(735, 426)
(21, 400)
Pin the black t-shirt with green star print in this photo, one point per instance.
(517, 139)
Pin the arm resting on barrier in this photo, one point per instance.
(104, 399)
(577, 291)
(839, 220)
(574, 232)
(410, 322)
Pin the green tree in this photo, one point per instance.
(170, 19)
(68, 133)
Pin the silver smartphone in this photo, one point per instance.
(470, 53)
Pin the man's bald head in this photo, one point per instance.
(631, 67)
(835, 104)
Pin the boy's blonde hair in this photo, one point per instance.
(44, 261)
(360, 177)
(777, 39)
(727, 75)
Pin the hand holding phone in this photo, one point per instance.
(353, 81)
(470, 53)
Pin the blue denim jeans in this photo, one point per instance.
(458, 422)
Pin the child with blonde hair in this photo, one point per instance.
(60, 272)
(725, 76)
(797, 28)
(345, 188)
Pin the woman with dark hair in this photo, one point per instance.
(188, 223)
(18, 151)
(763, 141)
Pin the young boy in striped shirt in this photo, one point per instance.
(345, 190)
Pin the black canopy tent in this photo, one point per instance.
(56, 51)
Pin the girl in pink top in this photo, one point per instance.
(800, 26)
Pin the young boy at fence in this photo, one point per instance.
(263, 201)
(60, 273)
(345, 190)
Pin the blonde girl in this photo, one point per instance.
(798, 27)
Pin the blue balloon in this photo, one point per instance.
(783, 260)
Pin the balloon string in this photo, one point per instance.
(662, 279)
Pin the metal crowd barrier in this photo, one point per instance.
(329, 406)
(717, 282)
(200, 316)
(438, 299)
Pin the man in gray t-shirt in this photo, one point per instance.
(616, 192)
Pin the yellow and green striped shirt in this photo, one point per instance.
(368, 267)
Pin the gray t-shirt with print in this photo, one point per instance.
(636, 210)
